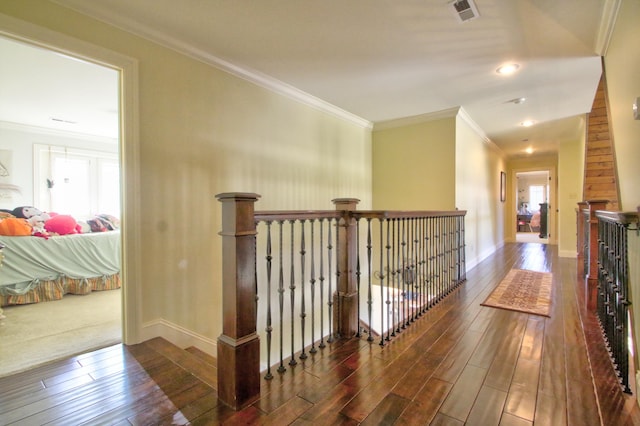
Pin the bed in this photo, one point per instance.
(36, 269)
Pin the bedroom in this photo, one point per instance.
(59, 154)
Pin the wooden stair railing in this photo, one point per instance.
(347, 260)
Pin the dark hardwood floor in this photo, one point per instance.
(461, 363)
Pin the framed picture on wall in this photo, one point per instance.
(503, 186)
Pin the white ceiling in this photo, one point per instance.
(385, 60)
(45, 89)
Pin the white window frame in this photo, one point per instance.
(43, 157)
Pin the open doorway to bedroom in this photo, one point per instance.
(59, 149)
(533, 192)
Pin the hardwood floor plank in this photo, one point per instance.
(455, 362)
(331, 403)
(288, 412)
(550, 411)
(511, 420)
(325, 384)
(504, 364)
(386, 413)
(444, 420)
(487, 408)
(460, 400)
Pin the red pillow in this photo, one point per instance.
(62, 224)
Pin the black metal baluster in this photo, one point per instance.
(448, 254)
(420, 274)
(369, 285)
(440, 251)
(269, 328)
(292, 290)
(322, 344)
(330, 290)
(281, 368)
(428, 258)
(303, 312)
(358, 274)
(313, 349)
(397, 276)
(382, 277)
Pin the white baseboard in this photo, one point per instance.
(179, 336)
(471, 263)
(567, 253)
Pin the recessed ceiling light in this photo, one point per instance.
(507, 69)
(527, 123)
(517, 101)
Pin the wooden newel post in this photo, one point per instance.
(582, 205)
(238, 345)
(591, 281)
(346, 296)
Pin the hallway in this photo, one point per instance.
(461, 363)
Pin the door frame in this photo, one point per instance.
(127, 67)
(553, 202)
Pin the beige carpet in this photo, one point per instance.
(523, 291)
(39, 333)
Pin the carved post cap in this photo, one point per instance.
(596, 202)
(230, 196)
(345, 203)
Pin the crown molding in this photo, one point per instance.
(607, 24)
(416, 119)
(456, 112)
(245, 73)
(464, 116)
(54, 132)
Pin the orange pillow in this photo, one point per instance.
(15, 227)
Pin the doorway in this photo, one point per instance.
(26, 39)
(533, 192)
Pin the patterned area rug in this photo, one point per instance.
(523, 291)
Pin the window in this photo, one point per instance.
(536, 196)
(81, 183)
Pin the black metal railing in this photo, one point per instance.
(613, 298)
(410, 261)
(394, 265)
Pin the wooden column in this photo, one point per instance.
(591, 281)
(238, 345)
(346, 297)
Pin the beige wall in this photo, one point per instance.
(202, 132)
(415, 166)
(478, 167)
(442, 164)
(622, 62)
(570, 179)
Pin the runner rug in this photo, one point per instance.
(523, 291)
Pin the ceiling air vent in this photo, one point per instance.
(465, 10)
